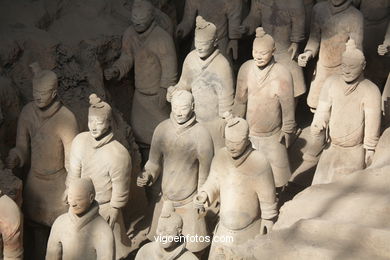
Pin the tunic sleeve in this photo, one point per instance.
(68, 133)
(322, 116)
(211, 186)
(105, 247)
(286, 99)
(372, 118)
(356, 30)
(234, 10)
(387, 36)
(168, 61)
(254, 15)
(184, 82)
(226, 90)
(126, 60)
(265, 189)
(54, 245)
(75, 157)
(120, 179)
(189, 16)
(241, 98)
(155, 161)
(205, 156)
(22, 148)
(313, 44)
(297, 15)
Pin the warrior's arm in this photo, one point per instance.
(356, 27)
(265, 189)
(234, 10)
(286, 99)
(168, 61)
(189, 16)
(241, 98)
(205, 156)
(372, 118)
(54, 245)
(105, 248)
(387, 36)
(313, 45)
(297, 15)
(322, 116)
(74, 171)
(68, 134)
(225, 90)
(154, 164)
(126, 60)
(11, 231)
(211, 186)
(22, 147)
(184, 82)
(120, 179)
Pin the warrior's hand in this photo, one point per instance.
(112, 217)
(369, 156)
(304, 58)
(200, 200)
(286, 139)
(170, 92)
(233, 48)
(266, 226)
(144, 180)
(12, 161)
(293, 49)
(111, 73)
(383, 49)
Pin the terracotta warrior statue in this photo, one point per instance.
(97, 155)
(11, 229)
(45, 132)
(224, 14)
(384, 48)
(208, 75)
(81, 233)
(350, 108)
(265, 98)
(181, 155)
(242, 178)
(285, 22)
(169, 243)
(151, 51)
(333, 23)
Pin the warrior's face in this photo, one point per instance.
(182, 111)
(98, 125)
(236, 147)
(262, 53)
(337, 2)
(204, 47)
(142, 18)
(167, 232)
(79, 200)
(43, 95)
(352, 68)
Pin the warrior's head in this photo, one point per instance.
(182, 106)
(237, 136)
(45, 83)
(81, 195)
(263, 48)
(99, 117)
(205, 37)
(353, 62)
(142, 15)
(169, 227)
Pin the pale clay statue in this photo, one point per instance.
(97, 155)
(285, 22)
(350, 109)
(11, 229)
(265, 98)
(333, 23)
(181, 155)
(45, 132)
(242, 178)
(208, 75)
(151, 51)
(81, 233)
(224, 14)
(170, 226)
